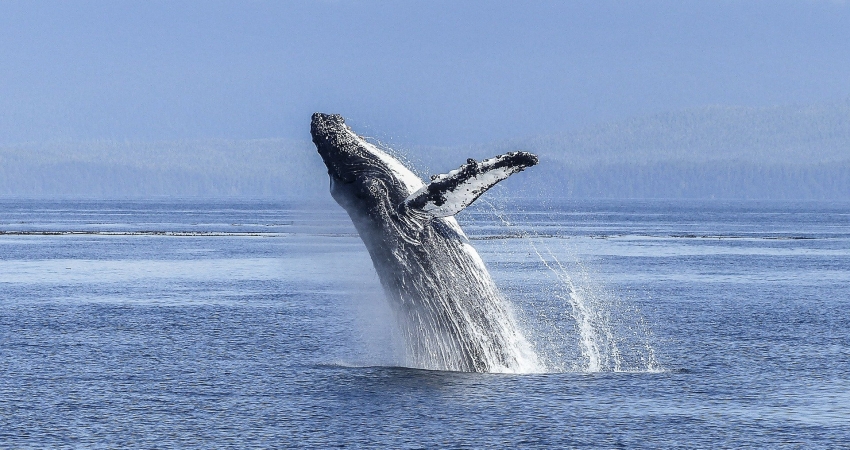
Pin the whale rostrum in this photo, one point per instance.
(448, 308)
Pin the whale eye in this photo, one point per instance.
(433, 177)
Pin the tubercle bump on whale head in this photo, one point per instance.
(333, 142)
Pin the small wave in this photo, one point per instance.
(730, 236)
(490, 237)
(493, 237)
(138, 233)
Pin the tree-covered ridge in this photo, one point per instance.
(784, 152)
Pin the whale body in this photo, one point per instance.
(448, 308)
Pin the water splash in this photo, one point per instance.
(479, 333)
(580, 326)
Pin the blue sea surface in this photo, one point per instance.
(221, 324)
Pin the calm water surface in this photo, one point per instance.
(662, 324)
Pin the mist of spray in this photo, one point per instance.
(575, 322)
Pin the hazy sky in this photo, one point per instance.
(431, 72)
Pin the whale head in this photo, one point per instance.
(362, 176)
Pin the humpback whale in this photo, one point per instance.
(448, 308)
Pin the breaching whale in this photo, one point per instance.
(451, 313)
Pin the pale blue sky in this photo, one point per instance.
(416, 73)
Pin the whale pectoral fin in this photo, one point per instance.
(449, 193)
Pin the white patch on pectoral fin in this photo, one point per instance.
(449, 193)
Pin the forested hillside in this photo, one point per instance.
(715, 152)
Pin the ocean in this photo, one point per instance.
(659, 324)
